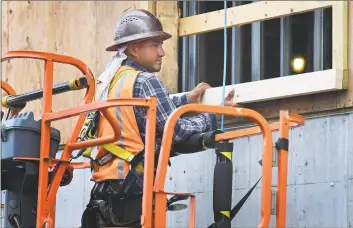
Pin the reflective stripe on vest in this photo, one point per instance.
(130, 139)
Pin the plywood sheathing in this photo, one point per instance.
(167, 13)
(79, 29)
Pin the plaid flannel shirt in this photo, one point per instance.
(147, 85)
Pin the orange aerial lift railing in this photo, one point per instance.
(287, 120)
(152, 188)
(47, 196)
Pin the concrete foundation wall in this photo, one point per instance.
(320, 179)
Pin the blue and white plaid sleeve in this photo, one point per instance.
(185, 126)
(180, 100)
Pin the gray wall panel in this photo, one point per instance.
(319, 164)
(317, 205)
(318, 151)
(350, 202)
(71, 200)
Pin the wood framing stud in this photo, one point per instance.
(149, 6)
(340, 35)
(240, 15)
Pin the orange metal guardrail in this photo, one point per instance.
(49, 58)
(160, 207)
(150, 104)
(47, 197)
(286, 120)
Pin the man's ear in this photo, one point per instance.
(131, 49)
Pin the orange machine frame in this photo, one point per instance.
(151, 188)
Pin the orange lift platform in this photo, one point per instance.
(154, 207)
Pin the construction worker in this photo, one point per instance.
(138, 40)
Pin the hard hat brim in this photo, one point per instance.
(138, 37)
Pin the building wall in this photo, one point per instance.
(322, 102)
(81, 29)
(320, 155)
(320, 179)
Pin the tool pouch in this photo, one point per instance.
(115, 203)
(92, 216)
(132, 185)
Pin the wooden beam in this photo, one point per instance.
(276, 88)
(246, 14)
(149, 6)
(167, 13)
(340, 35)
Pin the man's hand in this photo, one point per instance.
(194, 96)
(228, 100)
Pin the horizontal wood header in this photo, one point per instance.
(246, 14)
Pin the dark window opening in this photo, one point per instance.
(273, 48)
(302, 42)
(271, 52)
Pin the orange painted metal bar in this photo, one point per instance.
(166, 147)
(47, 56)
(249, 131)
(79, 165)
(58, 59)
(26, 158)
(10, 91)
(7, 88)
(70, 146)
(94, 142)
(285, 120)
(72, 165)
(178, 193)
(55, 183)
(147, 200)
(160, 209)
(295, 118)
(103, 140)
(282, 173)
(85, 108)
(192, 212)
(138, 102)
(42, 208)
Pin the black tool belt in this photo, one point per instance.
(114, 203)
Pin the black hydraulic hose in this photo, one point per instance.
(19, 101)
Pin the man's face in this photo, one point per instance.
(148, 53)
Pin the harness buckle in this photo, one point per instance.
(101, 161)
